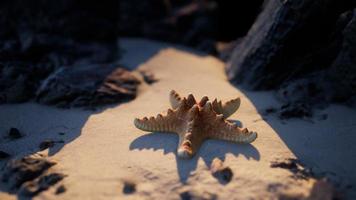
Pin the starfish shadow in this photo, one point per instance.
(208, 151)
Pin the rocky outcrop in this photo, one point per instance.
(71, 66)
(30, 175)
(199, 24)
(302, 48)
(88, 86)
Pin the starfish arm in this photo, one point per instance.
(228, 108)
(174, 99)
(158, 124)
(225, 130)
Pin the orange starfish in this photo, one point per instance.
(195, 122)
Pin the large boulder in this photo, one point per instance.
(88, 85)
(302, 48)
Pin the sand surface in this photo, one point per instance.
(103, 149)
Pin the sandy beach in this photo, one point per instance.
(101, 151)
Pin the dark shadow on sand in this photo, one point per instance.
(208, 151)
(313, 140)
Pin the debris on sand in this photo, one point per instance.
(61, 189)
(223, 173)
(148, 76)
(290, 110)
(4, 155)
(295, 166)
(46, 144)
(129, 187)
(14, 133)
(28, 168)
(32, 188)
(295, 110)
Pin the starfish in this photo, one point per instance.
(194, 122)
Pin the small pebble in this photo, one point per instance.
(46, 144)
(148, 77)
(129, 187)
(323, 117)
(61, 189)
(223, 173)
(14, 133)
(4, 155)
(270, 110)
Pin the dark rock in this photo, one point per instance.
(323, 117)
(295, 166)
(309, 91)
(148, 77)
(4, 155)
(14, 133)
(296, 110)
(30, 51)
(18, 81)
(286, 41)
(32, 188)
(46, 144)
(270, 111)
(288, 164)
(195, 23)
(19, 171)
(222, 173)
(342, 74)
(88, 86)
(288, 49)
(129, 187)
(61, 189)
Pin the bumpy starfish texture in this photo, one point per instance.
(195, 122)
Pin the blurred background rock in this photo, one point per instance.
(305, 50)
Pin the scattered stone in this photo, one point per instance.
(197, 195)
(32, 188)
(323, 117)
(129, 187)
(288, 164)
(148, 77)
(61, 189)
(17, 172)
(297, 110)
(14, 133)
(295, 166)
(4, 155)
(270, 111)
(46, 144)
(219, 171)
